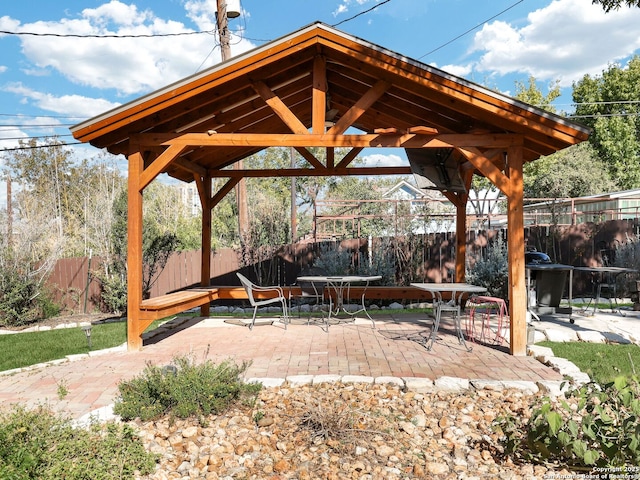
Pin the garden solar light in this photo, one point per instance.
(87, 332)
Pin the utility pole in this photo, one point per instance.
(9, 212)
(223, 31)
(241, 187)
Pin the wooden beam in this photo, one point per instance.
(159, 164)
(205, 252)
(311, 172)
(422, 130)
(309, 157)
(349, 157)
(331, 156)
(226, 188)
(515, 249)
(135, 325)
(487, 168)
(319, 95)
(190, 166)
(279, 108)
(361, 106)
(461, 243)
(313, 140)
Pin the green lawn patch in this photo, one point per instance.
(602, 362)
(29, 348)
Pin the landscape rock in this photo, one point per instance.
(330, 430)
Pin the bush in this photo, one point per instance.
(627, 255)
(491, 270)
(17, 299)
(598, 425)
(114, 293)
(183, 390)
(23, 300)
(38, 444)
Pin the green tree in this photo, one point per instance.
(224, 220)
(482, 189)
(610, 105)
(71, 198)
(269, 215)
(157, 246)
(573, 172)
(169, 214)
(609, 5)
(42, 172)
(531, 94)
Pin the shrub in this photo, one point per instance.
(38, 444)
(627, 255)
(598, 425)
(183, 390)
(23, 300)
(114, 292)
(17, 295)
(334, 259)
(491, 270)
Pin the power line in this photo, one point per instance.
(470, 30)
(361, 13)
(35, 138)
(73, 35)
(600, 115)
(25, 115)
(4, 127)
(33, 147)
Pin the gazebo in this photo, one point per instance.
(320, 87)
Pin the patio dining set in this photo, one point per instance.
(329, 295)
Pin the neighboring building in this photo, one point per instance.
(429, 210)
(591, 208)
(189, 197)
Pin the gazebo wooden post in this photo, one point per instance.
(134, 252)
(515, 246)
(205, 275)
(461, 238)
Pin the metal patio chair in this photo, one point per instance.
(252, 289)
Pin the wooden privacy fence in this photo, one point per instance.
(77, 291)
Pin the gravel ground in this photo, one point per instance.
(340, 431)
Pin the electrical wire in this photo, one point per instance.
(605, 115)
(33, 126)
(73, 35)
(361, 13)
(35, 138)
(34, 147)
(470, 30)
(28, 115)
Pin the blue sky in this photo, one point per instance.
(48, 83)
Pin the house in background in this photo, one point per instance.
(420, 210)
(622, 205)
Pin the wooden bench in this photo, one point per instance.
(176, 302)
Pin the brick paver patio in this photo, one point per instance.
(393, 348)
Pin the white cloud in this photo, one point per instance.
(564, 41)
(117, 12)
(382, 160)
(71, 105)
(202, 13)
(458, 70)
(8, 24)
(344, 6)
(127, 65)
